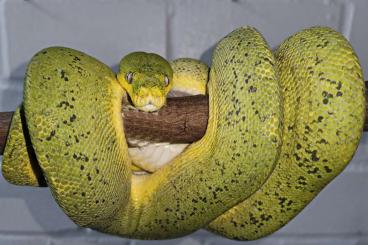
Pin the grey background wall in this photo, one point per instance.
(109, 29)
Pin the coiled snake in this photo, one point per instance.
(281, 126)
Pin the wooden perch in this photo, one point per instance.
(182, 120)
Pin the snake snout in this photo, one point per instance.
(149, 100)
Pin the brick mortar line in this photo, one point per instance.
(169, 15)
(6, 84)
(347, 18)
(359, 167)
(78, 233)
(4, 41)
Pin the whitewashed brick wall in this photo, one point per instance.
(109, 29)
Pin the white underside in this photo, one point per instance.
(153, 156)
(149, 107)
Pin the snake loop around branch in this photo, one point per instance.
(281, 126)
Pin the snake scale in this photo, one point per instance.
(281, 126)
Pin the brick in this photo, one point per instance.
(27, 209)
(362, 241)
(359, 32)
(359, 161)
(196, 26)
(337, 210)
(322, 241)
(22, 240)
(264, 241)
(187, 240)
(2, 38)
(106, 30)
(11, 94)
(340, 208)
(88, 241)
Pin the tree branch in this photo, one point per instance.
(182, 120)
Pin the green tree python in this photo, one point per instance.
(281, 126)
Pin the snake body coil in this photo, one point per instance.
(280, 128)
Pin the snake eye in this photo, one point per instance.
(129, 77)
(166, 80)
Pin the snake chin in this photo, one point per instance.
(148, 103)
(149, 108)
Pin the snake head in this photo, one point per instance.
(147, 78)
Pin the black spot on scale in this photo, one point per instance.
(252, 89)
(339, 85)
(63, 104)
(313, 171)
(301, 180)
(330, 81)
(338, 94)
(76, 58)
(322, 141)
(307, 129)
(234, 223)
(72, 118)
(52, 134)
(314, 156)
(323, 45)
(62, 73)
(265, 217)
(317, 60)
(327, 95)
(297, 157)
(327, 169)
(81, 157)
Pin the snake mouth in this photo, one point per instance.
(148, 103)
(149, 108)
